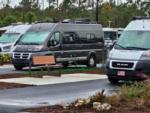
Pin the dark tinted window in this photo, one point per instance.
(110, 35)
(70, 38)
(90, 38)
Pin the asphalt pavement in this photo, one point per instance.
(7, 69)
(14, 100)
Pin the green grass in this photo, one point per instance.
(61, 70)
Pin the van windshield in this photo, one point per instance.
(36, 38)
(110, 35)
(8, 38)
(134, 40)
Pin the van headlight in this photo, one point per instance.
(145, 56)
(38, 48)
(7, 48)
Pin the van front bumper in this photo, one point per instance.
(21, 62)
(141, 72)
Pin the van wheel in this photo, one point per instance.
(113, 80)
(91, 61)
(65, 64)
(17, 67)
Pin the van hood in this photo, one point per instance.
(125, 54)
(28, 48)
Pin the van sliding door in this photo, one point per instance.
(71, 47)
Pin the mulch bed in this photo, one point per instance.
(18, 75)
(40, 75)
(4, 85)
(59, 109)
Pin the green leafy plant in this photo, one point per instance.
(5, 58)
(129, 92)
(99, 97)
(136, 95)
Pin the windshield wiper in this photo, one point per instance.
(120, 46)
(32, 43)
(136, 48)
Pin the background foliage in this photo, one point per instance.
(115, 13)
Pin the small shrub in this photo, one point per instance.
(5, 58)
(136, 95)
(99, 97)
(130, 92)
(113, 100)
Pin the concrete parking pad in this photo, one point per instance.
(7, 69)
(66, 78)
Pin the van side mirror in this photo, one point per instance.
(51, 43)
(113, 44)
(48, 44)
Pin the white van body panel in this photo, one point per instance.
(125, 54)
(139, 25)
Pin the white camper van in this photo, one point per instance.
(130, 57)
(9, 38)
(110, 36)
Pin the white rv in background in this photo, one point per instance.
(9, 38)
(110, 35)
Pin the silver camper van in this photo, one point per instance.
(130, 57)
(78, 43)
(9, 38)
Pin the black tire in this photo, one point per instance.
(91, 62)
(66, 64)
(17, 67)
(113, 80)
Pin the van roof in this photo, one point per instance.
(63, 26)
(42, 26)
(110, 29)
(18, 29)
(6, 28)
(139, 25)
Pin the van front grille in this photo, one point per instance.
(122, 64)
(21, 55)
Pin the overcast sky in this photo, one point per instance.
(16, 2)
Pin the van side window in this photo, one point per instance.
(55, 39)
(70, 38)
(90, 37)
